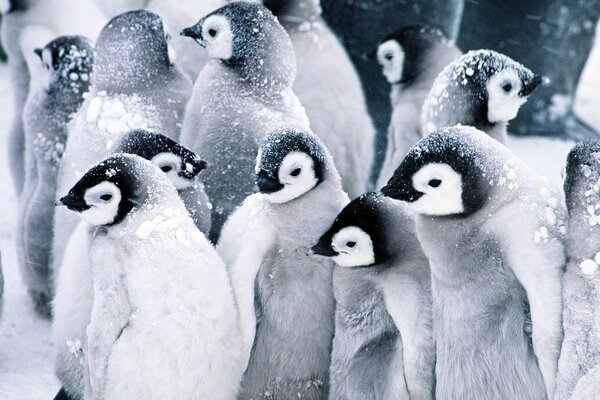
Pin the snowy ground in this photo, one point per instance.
(25, 346)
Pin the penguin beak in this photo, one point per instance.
(538, 80)
(403, 194)
(195, 32)
(267, 183)
(39, 52)
(72, 203)
(192, 168)
(322, 249)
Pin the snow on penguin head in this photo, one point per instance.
(180, 164)
(67, 62)
(298, 11)
(452, 172)
(247, 38)
(131, 51)
(289, 164)
(482, 88)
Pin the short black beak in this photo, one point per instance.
(195, 32)
(267, 183)
(538, 80)
(72, 203)
(39, 52)
(323, 250)
(199, 164)
(390, 190)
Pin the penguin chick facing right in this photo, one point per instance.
(410, 59)
(163, 323)
(493, 231)
(383, 345)
(484, 89)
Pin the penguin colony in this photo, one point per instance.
(235, 266)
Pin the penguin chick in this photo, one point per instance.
(56, 94)
(292, 311)
(74, 294)
(484, 89)
(383, 345)
(410, 59)
(135, 86)
(243, 93)
(167, 307)
(329, 88)
(496, 284)
(581, 283)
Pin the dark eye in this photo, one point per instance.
(507, 87)
(388, 56)
(106, 197)
(296, 172)
(435, 183)
(350, 244)
(212, 32)
(166, 168)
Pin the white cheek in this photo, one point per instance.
(101, 215)
(46, 78)
(446, 199)
(294, 187)
(355, 259)
(358, 256)
(220, 47)
(294, 190)
(179, 182)
(502, 106)
(4, 6)
(392, 70)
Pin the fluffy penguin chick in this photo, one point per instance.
(494, 235)
(410, 59)
(135, 86)
(383, 344)
(74, 293)
(581, 283)
(162, 298)
(57, 93)
(243, 93)
(484, 89)
(300, 194)
(329, 88)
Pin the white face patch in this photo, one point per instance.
(170, 164)
(4, 6)
(442, 188)
(354, 246)
(503, 96)
(48, 69)
(103, 200)
(297, 175)
(170, 48)
(218, 37)
(391, 58)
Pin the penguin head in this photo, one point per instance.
(107, 192)
(443, 174)
(67, 62)
(289, 164)
(180, 164)
(247, 37)
(131, 49)
(402, 54)
(356, 237)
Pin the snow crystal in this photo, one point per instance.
(588, 266)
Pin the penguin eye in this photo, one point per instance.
(212, 32)
(351, 244)
(388, 56)
(296, 172)
(435, 183)
(168, 37)
(166, 168)
(106, 197)
(507, 87)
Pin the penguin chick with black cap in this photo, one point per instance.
(410, 59)
(383, 345)
(484, 89)
(494, 234)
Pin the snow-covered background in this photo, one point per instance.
(26, 358)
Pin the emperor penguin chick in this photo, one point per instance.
(162, 298)
(383, 345)
(329, 87)
(74, 294)
(410, 59)
(496, 284)
(484, 89)
(62, 78)
(134, 86)
(287, 324)
(581, 283)
(243, 93)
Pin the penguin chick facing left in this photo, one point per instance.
(288, 322)
(493, 232)
(484, 89)
(74, 294)
(64, 67)
(162, 298)
(383, 345)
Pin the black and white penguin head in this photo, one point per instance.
(132, 48)
(357, 237)
(67, 62)
(289, 164)
(179, 163)
(443, 174)
(107, 192)
(402, 54)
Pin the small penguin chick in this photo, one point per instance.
(289, 164)
(484, 89)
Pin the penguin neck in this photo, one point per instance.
(496, 131)
(298, 12)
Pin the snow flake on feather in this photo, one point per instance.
(168, 223)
